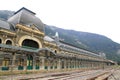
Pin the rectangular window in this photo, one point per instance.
(5, 62)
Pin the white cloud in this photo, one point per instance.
(97, 16)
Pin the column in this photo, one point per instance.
(43, 63)
(65, 63)
(34, 62)
(13, 61)
(59, 64)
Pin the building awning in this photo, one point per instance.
(11, 48)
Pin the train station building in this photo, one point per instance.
(24, 46)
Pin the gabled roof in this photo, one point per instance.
(23, 8)
(26, 17)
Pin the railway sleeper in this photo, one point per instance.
(102, 76)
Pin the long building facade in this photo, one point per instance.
(24, 46)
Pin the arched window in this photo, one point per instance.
(55, 51)
(8, 42)
(0, 41)
(27, 43)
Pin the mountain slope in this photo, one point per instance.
(85, 40)
(93, 42)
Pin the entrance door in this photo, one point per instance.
(62, 63)
(21, 64)
(29, 62)
(37, 64)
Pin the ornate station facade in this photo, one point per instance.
(24, 46)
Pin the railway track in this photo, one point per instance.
(82, 76)
(86, 75)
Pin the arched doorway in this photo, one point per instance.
(27, 43)
(29, 62)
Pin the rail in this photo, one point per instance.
(79, 75)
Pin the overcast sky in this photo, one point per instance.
(96, 16)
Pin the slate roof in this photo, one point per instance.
(6, 25)
(26, 17)
(49, 39)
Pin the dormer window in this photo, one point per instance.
(29, 24)
(33, 26)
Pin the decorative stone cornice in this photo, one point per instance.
(50, 44)
(28, 29)
(7, 32)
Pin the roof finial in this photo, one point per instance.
(56, 34)
(56, 37)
